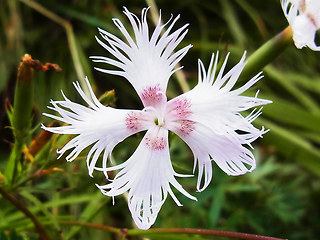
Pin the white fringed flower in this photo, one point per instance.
(207, 118)
(145, 61)
(304, 19)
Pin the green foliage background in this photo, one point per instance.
(280, 198)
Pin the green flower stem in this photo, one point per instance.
(267, 53)
(21, 117)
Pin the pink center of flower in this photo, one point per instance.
(152, 96)
(156, 143)
(176, 117)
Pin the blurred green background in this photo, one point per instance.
(280, 198)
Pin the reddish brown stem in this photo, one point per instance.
(42, 233)
(197, 231)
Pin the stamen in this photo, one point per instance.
(156, 143)
(186, 127)
(181, 108)
(152, 96)
(132, 121)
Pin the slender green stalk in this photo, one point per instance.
(71, 40)
(267, 53)
(21, 117)
(15, 38)
(76, 58)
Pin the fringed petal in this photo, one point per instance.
(97, 125)
(147, 174)
(304, 19)
(145, 61)
(208, 119)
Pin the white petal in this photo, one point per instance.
(208, 119)
(304, 32)
(290, 9)
(97, 125)
(147, 174)
(217, 94)
(304, 19)
(146, 61)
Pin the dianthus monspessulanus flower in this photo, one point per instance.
(207, 118)
(304, 19)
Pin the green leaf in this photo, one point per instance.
(2, 178)
(3, 236)
(291, 114)
(42, 208)
(309, 83)
(91, 210)
(298, 93)
(55, 203)
(242, 187)
(216, 207)
(87, 19)
(292, 146)
(26, 223)
(230, 15)
(12, 236)
(312, 136)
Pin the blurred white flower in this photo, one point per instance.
(304, 19)
(207, 118)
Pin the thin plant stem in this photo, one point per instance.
(71, 40)
(42, 233)
(193, 231)
(15, 40)
(207, 232)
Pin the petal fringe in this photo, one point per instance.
(147, 175)
(143, 60)
(97, 125)
(208, 119)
